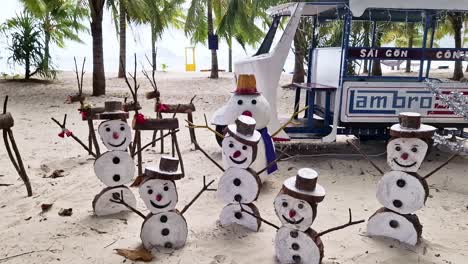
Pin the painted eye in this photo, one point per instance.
(397, 148)
(300, 206)
(166, 188)
(244, 147)
(254, 102)
(414, 149)
(150, 191)
(240, 102)
(108, 129)
(285, 204)
(122, 128)
(231, 145)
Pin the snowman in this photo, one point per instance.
(240, 183)
(296, 207)
(115, 167)
(247, 101)
(402, 191)
(164, 226)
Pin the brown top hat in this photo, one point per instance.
(246, 85)
(410, 126)
(304, 186)
(113, 110)
(244, 130)
(168, 169)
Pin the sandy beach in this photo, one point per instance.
(35, 237)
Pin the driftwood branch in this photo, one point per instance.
(291, 119)
(5, 104)
(205, 188)
(259, 218)
(63, 126)
(365, 156)
(350, 223)
(441, 165)
(152, 142)
(118, 199)
(283, 154)
(208, 156)
(192, 125)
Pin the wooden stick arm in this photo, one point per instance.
(192, 125)
(350, 223)
(291, 119)
(442, 165)
(118, 199)
(259, 218)
(365, 156)
(205, 188)
(70, 134)
(209, 157)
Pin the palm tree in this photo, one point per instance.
(161, 14)
(96, 8)
(60, 20)
(405, 35)
(456, 20)
(199, 25)
(124, 11)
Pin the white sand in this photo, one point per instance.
(83, 238)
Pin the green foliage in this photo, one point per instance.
(163, 14)
(164, 67)
(26, 45)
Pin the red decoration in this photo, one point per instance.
(68, 133)
(140, 118)
(61, 134)
(162, 107)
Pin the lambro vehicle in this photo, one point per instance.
(364, 106)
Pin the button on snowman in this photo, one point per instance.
(247, 101)
(115, 167)
(239, 183)
(402, 191)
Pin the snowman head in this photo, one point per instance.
(240, 143)
(406, 154)
(159, 195)
(294, 213)
(115, 134)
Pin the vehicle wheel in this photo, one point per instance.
(220, 129)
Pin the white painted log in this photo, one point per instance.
(238, 185)
(115, 134)
(102, 205)
(237, 154)
(294, 246)
(114, 168)
(232, 214)
(165, 229)
(404, 228)
(402, 192)
(294, 213)
(159, 195)
(406, 154)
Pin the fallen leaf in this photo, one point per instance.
(65, 212)
(139, 254)
(45, 207)
(56, 174)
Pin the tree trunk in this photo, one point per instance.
(456, 20)
(299, 71)
(123, 40)
(154, 52)
(410, 45)
(214, 55)
(99, 78)
(366, 28)
(376, 67)
(27, 67)
(46, 50)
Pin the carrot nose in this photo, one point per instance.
(404, 156)
(115, 135)
(292, 213)
(237, 154)
(158, 197)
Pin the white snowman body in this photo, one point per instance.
(293, 246)
(255, 106)
(115, 167)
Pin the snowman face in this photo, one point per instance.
(294, 213)
(237, 154)
(406, 154)
(255, 106)
(159, 195)
(115, 134)
(401, 192)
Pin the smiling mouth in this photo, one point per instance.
(402, 165)
(237, 162)
(160, 206)
(293, 222)
(118, 145)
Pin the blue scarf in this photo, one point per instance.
(269, 150)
